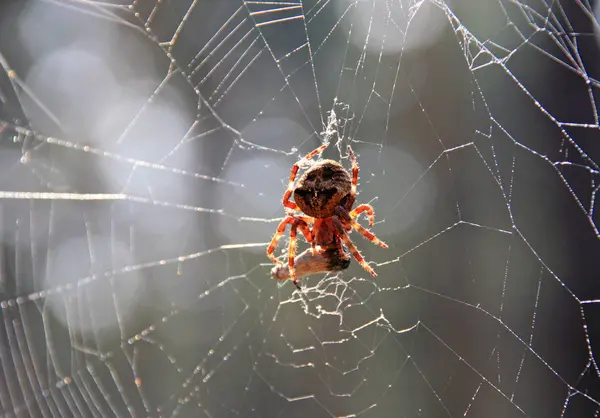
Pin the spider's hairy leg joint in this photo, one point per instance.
(315, 152)
(364, 208)
(345, 216)
(340, 229)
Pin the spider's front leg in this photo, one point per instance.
(345, 216)
(297, 223)
(364, 208)
(342, 233)
(290, 189)
(310, 221)
(279, 233)
(354, 183)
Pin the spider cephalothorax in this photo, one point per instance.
(322, 211)
(322, 188)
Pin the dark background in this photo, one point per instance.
(164, 134)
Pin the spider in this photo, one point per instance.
(323, 199)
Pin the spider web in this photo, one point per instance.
(145, 148)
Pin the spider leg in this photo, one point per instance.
(305, 228)
(308, 220)
(315, 152)
(288, 219)
(364, 208)
(345, 216)
(340, 229)
(288, 193)
(297, 223)
(311, 221)
(354, 174)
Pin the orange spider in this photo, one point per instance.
(323, 199)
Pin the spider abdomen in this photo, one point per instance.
(322, 187)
